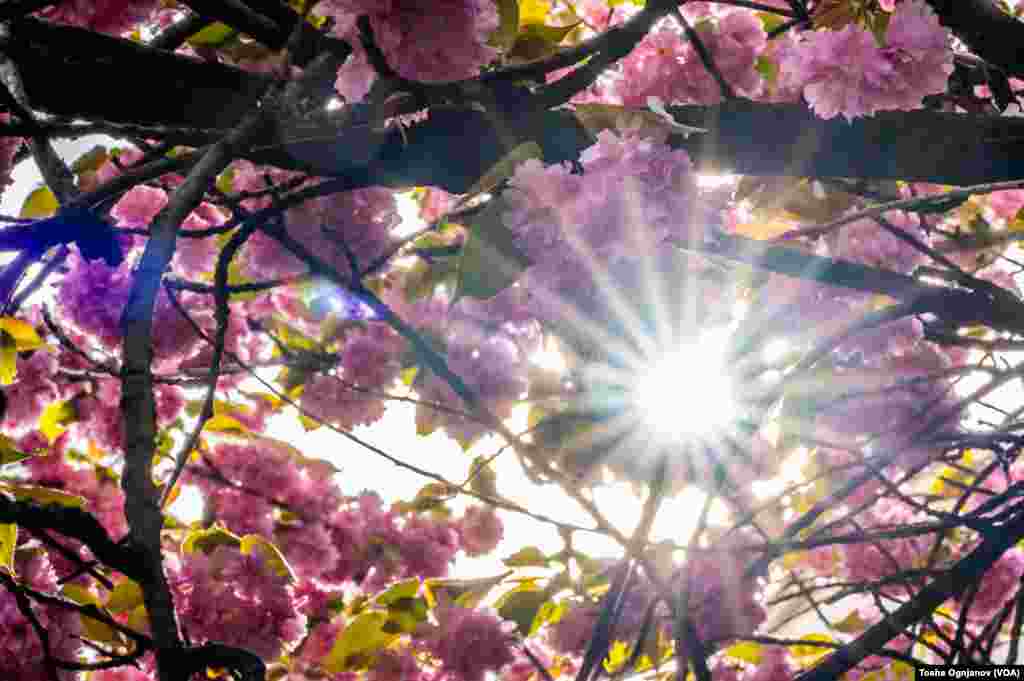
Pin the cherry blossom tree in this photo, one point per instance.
(772, 244)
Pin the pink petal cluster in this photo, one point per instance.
(377, 547)
(723, 601)
(237, 599)
(469, 643)
(21, 651)
(370, 363)
(666, 65)
(356, 223)
(113, 17)
(423, 40)
(92, 295)
(634, 195)
(867, 242)
(572, 633)
(998, 585)
(33, 390)
(481, 529)
(847, 72)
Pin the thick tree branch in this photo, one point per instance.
(988, 31)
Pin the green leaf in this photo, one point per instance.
(363, 636)
(8, 540)
(40, 203)
(214, 35)
(490, 260)
(768, 69)
(522, 605)
(530, 556)
(771, 21)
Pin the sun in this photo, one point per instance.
(687, 393)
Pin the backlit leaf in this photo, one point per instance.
(44, 495)
(213, 35)
(521, 605)
(8, 539)
(40, 203)
(206, 540)
(8, 358)
(508, 24)
(24, 334)
(506, 167)
(529, 556)
(254, 543)
(490, 260)
(364, 635)
(533, 11)
(126, 596)
(746, 651)
(56, 418)
(228, 425)
(808, 653)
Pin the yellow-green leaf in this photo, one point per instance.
(56, 418)
(409, 375)
(44, 495)
(447, 591)
(809, 652)
(521, 605)
(40, 203)
(214, 35)
(206, 540)
(24, 334)
(529, 556)
(126, 596)
(8, 539)
(91, 160)
(364, 635)
(8, 358)
(536, 41)
(533, 11)
(746, 651)
(406, 588)
(506, 167)
(93, 629)
(851, 624)
(227, 425)
(270, 553)
(508, 24)
(139, 619)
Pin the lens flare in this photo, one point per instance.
(687, 393)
